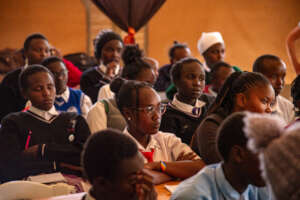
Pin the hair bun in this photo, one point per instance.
(262, 129)
(131, 54)
(116, 84)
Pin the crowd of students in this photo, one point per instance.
(225, 132)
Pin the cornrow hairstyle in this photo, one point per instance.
(176, 45)
(216, 67)
(177, 67)
(295, 92)
(259, 65)
(237, 82)
(134, 64)
(231, 133)
(104, 151)
(32, 37)
(29, 71)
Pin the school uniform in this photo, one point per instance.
(92, 80)
(105, 93)
(162, 147)
(284, 108)
(60, 139)
(183, 119)
(105, 114)
(211, 184)
(72, 100)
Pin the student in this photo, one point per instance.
(292, 37)
(237, 177)
(219, 73)
(114, 167)
(133, 57)
(67, 99)
(108, 48)
(36, 48)
(141, 107)
(105, 113)
(176, 52)
(40, 140)
(295, 93)
(278, 150)
(189, 105)
(241, 91)
(274, 69)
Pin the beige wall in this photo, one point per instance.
(250, 27)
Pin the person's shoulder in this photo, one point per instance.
(198, 186)
(282, 99)
(12, 76)
(165, 68)
(15, 116)
(207, 98)
(89, 71)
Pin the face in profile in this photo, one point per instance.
(145, 117)
(38, 50)
(111, 52)
(214, 54)
(41, 90)
(259, 99)
(60, 73)
(191, 82)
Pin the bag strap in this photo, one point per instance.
(105, 103)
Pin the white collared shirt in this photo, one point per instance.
(186, 108)
(284, 108)
(47, 115)
(167, 147)
(105, 93)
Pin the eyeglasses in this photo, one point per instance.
(161, 108)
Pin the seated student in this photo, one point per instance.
(164, 152)
(130, 54)
(36, 48)
(219, 73)
(241, 91)
(108, 48)
(105, 113)
(274, 69)
(292, 37)
(189, 105)
(237, 177)
(40, 140)
(114, 166)
(278, 150)
(295, 94)
(67, 99)
(176, 52)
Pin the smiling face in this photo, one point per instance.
(146, 118)
(214, 54)
(191, 82)
(41, 90)
(259, 99)
(111, 51)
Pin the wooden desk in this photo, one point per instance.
(163, 193)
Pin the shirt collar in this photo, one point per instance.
(186, 107)
(224, 186)
(65, 95)
(44, 114)
(152, 143)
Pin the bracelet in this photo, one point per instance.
(163, 166)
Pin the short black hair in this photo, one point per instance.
(231, 133)
(176, 45)
(102, 38)
(52, 59)
(104, 151)
(127, 92)
(29, 71)
(177, 67)
(134, 64)
(32, 37)
(237, 82)
(215, 68)
(259, 66)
